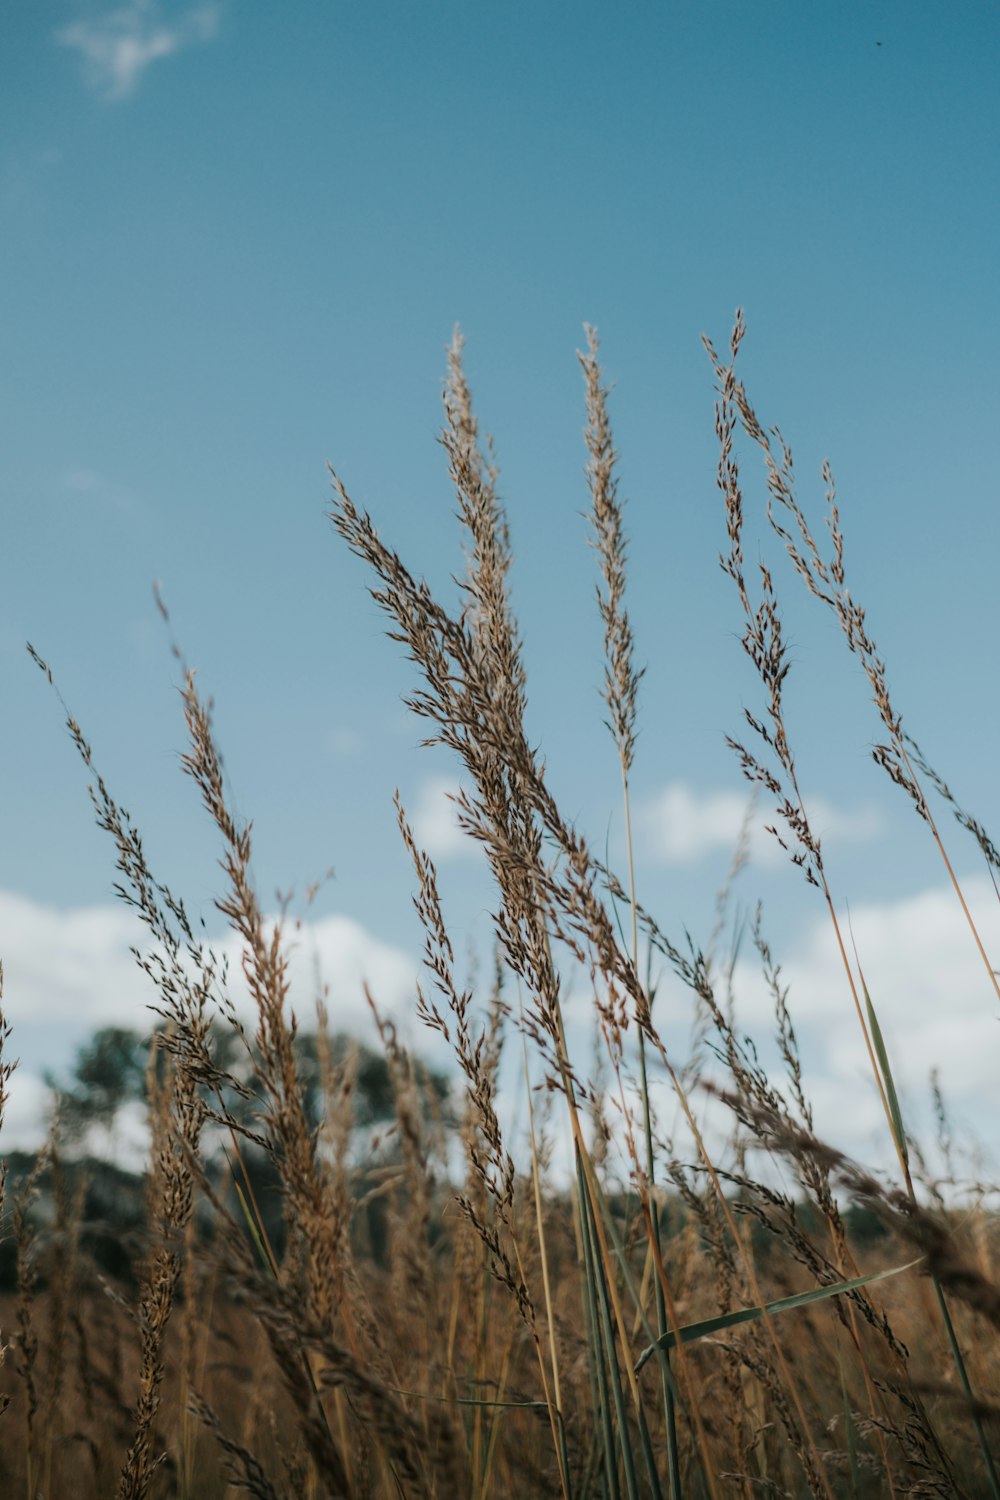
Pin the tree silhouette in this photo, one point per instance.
(109, 1072)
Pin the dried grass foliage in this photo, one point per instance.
(493, 1336)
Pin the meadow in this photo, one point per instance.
(312, 1294)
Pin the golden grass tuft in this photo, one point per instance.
(311, 1306)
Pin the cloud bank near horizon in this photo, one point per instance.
(68, 972)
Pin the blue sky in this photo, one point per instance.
(236, 238)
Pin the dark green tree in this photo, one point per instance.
(109, 1072)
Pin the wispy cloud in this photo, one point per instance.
(117, 46)
(87, 486)
(343, 740)
(435, 822)
(683, 825)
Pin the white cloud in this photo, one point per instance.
(70, 967)
(434, 820)
(84, 481)
(933, 997)
(934, 1000)
(70, 971)
(919, 959)
(682, 825)
(345, 741)
(66, 973)
(75, 967)
(88, 486)
(117, 46)
(27, 1112)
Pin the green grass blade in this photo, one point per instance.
(963, 1375)
(851, 1433)
(254, 1231)
(692, 1331)
(611, 1354)
(613, 1490)
(883, 1062)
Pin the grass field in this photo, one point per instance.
(303, 1307)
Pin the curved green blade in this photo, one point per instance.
(692, 1331)
(890, 1086)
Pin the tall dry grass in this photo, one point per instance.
(406, 1326)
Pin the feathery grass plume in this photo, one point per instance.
(752, 1082)
(245, 1470)
(308, 1192)
(825, 580)
(63, 1293)
(265, 969)
(188, 978)
(352, 1340)
(621, 685)
(474, 476)
(621, 678)
(815, 1179)
(177, 1130)
(933, 1234)
(311, 1363)
(479, 716)
(476, 696)
(185, 1001)
(338, 1083)
(927, 1230)
(509, 811)
(763, 644)
(965, 819)
(695, 972)
(414, 1272)
(26, 1346)
(749, 1349)
(289, 1327)
(490, 1160)
(763, 640)
(488, 1154)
